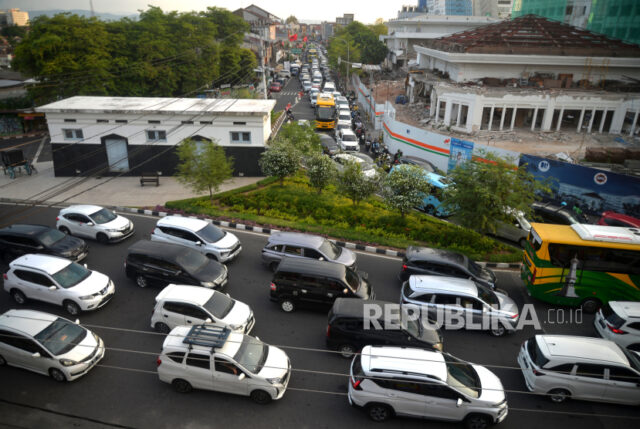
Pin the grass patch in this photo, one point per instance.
(298, 207)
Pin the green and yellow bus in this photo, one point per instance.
(582, 265)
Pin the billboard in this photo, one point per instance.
(460, 151)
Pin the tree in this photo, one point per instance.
(291, 20)
(354, 184)
(280, 160)
(484, 193)
(405, 187)
(303, 139)
(203, 166)
(321, 171)
(379, 29)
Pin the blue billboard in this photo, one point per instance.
(460, 151)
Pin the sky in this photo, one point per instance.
(365, 11)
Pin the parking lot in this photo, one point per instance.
(124, 389)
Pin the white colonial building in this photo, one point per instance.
(131, 135)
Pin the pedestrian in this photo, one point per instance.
(288, 107)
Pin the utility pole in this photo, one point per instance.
(264, 71)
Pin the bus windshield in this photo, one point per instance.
(325, 113)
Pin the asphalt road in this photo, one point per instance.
(124, 389)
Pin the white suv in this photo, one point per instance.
(388, 381)
(192, 305)
(619, 321)
(199, 235)
(213, 358)
(347, 140)
(48, 344)
(95, 222)
(592, 369)
(57, 281)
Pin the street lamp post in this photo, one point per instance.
(346, 80)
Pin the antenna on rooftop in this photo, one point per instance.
(91, 6)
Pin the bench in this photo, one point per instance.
(150, 178)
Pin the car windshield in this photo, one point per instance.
(634, 358)
(103, 216)
(50, 236)
(71, 275)
(61, 336)
(211, 233)
(349, 138)
(219, 305)
(330, 249)
(326, 112)
(353, 280)
(462, 376)
(191, 260)
(475, 269)
(252, 354)
(344, 117)
(488, 296)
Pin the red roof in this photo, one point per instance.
(533, 35)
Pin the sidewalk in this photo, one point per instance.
(44, 187)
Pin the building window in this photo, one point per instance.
(187, 122)
(69, 120)
(240, 137)
(153, 122)
(206, 122)
(239, 123)
(75, 134)
(156, 136)
(102, 121)
(121, 121)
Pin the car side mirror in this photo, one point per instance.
(36, 355)
(77, 321)
(85, 265)
(208, 320)
(345, 291)
(241, 376)
(52, 288)
(459, 402)
(517, 225)
(320, 258)
(198, 243)
(89, 223)
(40, 247)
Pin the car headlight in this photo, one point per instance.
(87, 297)
(67, 362)
(235, 327)
(112, 230)
(438, 346)
(207, 284)
(276, 380)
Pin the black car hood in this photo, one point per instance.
(210, 272)
(68, 244)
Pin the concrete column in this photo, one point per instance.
(513, 118)
(533, 121)
(579, 129)
(604, 116)
(437, 110)
(560, 119)
(504, 113)
(491, 117)
(459, 113)
(593, 116)
(633, 124)
(447, 112)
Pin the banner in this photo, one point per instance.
(591, 189)
(460, 152)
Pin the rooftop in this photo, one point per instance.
(401, 359)
(139, 105)
(47, 263)
(533, 35)
(30, 322)
(184, 222)
(587, 348)
(436, 284)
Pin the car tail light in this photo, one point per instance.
(273, 286)
(514, 316)
(328, 330)
(404, 267)
(356, 384)
(158, 361)
(57, 218)
(615, 330)
(5, 276)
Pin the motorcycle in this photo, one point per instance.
(290, 116)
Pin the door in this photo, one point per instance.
(173, 314)
(441, 402)
(226, 377)
(312, 291)
(80, 225)
(36, 286)
(117, 155)
(198, 371)
(183, 238)
(194, 315)
(623, 385)
(405, 395)
(588, 382)
(18, 350)
(18, 246)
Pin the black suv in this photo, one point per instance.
(347, 331)
(20, 239)
(550, 213)
(438, 262)
(153, 263)
(314, 283)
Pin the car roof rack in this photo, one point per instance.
(207, 336)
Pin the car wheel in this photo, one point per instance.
(142, 281)
(72, 308)
(379, 412)
(559, 395)
(102, 238)
(57, 375)
(590, 305)
(64, 230)
(162, 328)
(477, 421)
(522, 242)
(18, 297)
(3, 361)
(498, 331)
(287, 305)
(430, 210)
(260, 397)
(181, 385)
(346, 350)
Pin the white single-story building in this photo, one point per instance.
(131, 135)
